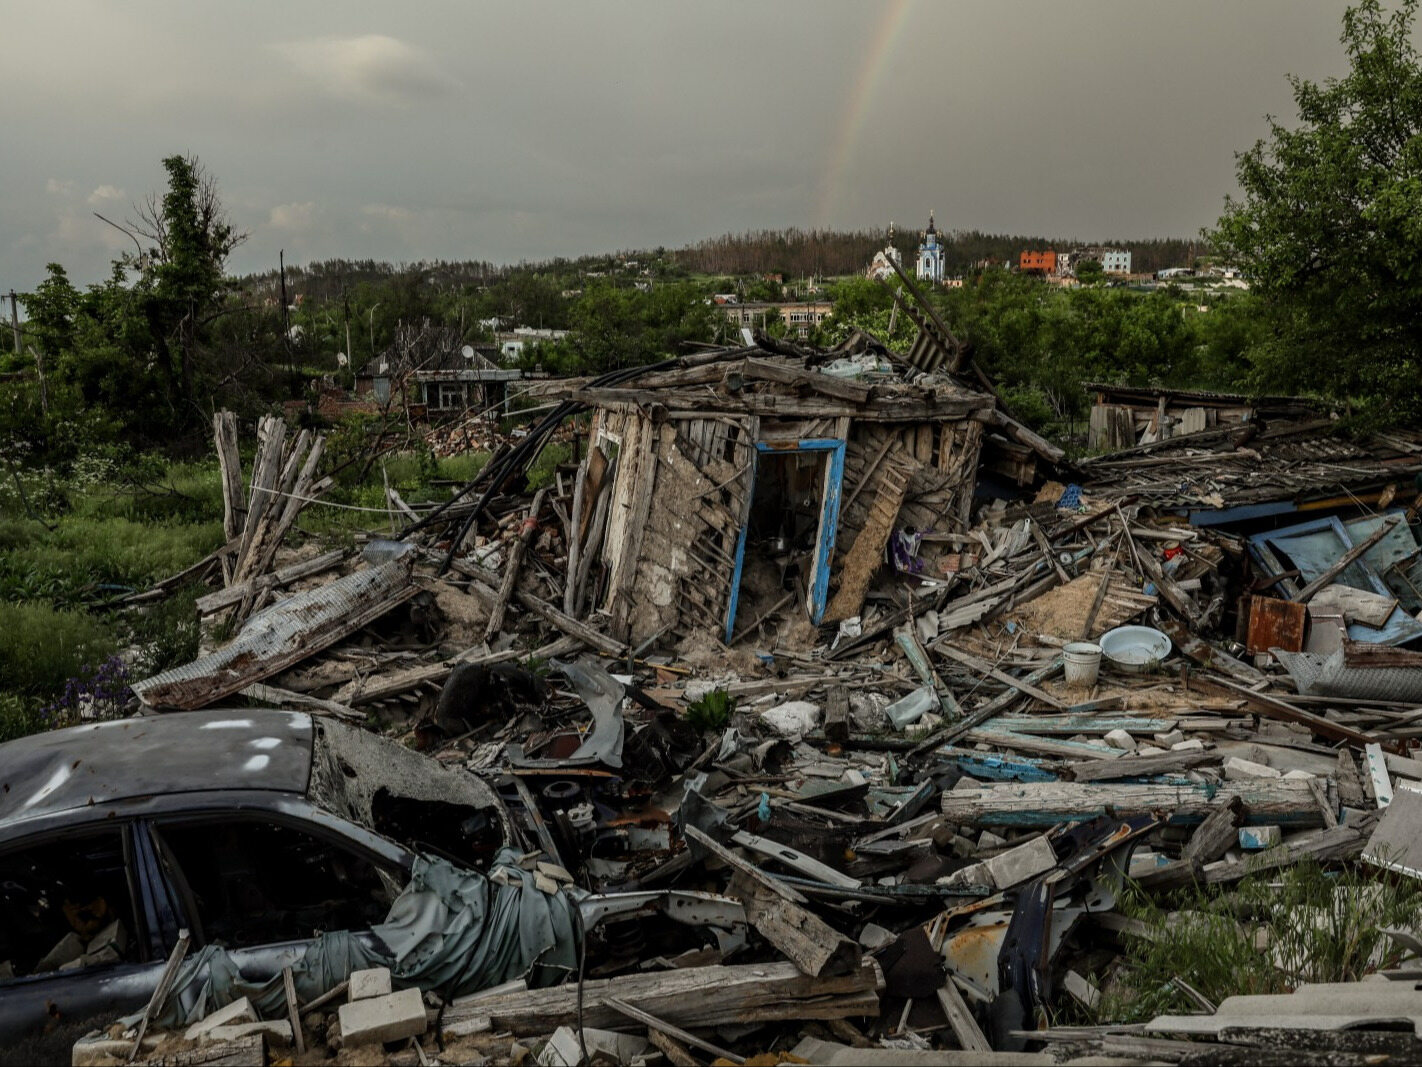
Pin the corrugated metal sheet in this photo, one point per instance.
(1330, 676)
(283, 634)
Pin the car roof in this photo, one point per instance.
(175, 752)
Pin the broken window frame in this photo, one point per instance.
(818, 585)
(179, 887)
(140, 922)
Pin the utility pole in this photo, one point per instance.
(15, 322)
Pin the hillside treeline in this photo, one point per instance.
(800, 253)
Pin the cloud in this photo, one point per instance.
(372, 68)
(388, 212)
(55, 187)
(292, 216)
(105, 194)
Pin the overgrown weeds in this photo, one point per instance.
(1270, 935)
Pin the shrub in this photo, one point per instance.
(41, 648)
(1313, 925)
(711, 711)
(543, 471)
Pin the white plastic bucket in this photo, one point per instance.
(1082, 663)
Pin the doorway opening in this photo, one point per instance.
(787, 538)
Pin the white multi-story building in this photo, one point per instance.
(1115, 260)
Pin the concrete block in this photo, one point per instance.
(1258, 838)
(1122, 740)
(1170, 737)
(1150, 750)
(1236, 768)
(973, 874)
(277, 1032)
(68, 950)
(563, 1049)
(874, 936)
(1297, 775)
(1194, 744)
(1143, 861)
(987, 839)
(366, 984)
(379, 1019)
(113, 936)
(1019, 864)
(239, 1011)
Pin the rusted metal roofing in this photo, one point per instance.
(284, 633)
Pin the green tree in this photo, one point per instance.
(1089, 272)
(1329, 225)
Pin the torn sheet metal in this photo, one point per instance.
(1396, 844)
(1316, 675)
(603, 695)
(284, 634)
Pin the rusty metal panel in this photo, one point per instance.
(283, 634)
(1275, 624)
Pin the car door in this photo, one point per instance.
(80, 937)
(263, 885)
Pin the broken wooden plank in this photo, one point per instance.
(1106, 770)
(570, 626)
(692, 997)
(1044, 804)
(804, 938)
(1213, 837)
(988, 711)
(292, 572)
(1274, 708)
(511, 568)
(965, 1028)
(161, 990)
(229, 463)
(655, 1025)
(1022, 685)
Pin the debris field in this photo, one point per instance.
(848, 714)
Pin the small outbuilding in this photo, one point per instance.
(761, 483)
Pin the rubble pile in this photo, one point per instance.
(849, 716)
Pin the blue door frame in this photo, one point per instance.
(829, 522)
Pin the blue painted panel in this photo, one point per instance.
(1242, 513)
(1313, 546)
(1004, 768)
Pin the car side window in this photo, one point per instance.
(254, 881)
(66, 904)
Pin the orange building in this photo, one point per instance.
(1044, 262)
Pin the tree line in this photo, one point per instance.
(1325, 230)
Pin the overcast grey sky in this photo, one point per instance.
(510, 131)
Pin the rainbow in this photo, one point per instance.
(866, 84)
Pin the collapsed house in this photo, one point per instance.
(717, 495)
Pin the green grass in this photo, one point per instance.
(93, 559)
(42, 648)
(543, 470)
(106, 528)
(1270, 935)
